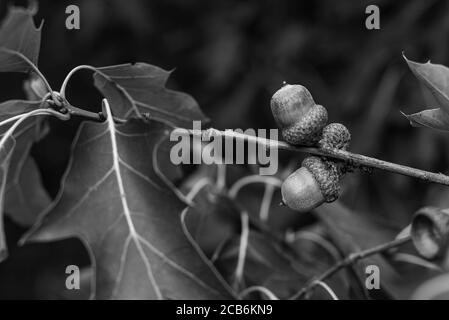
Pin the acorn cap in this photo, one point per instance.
(430, 232)
(290, 103)
(327, 176)
(336, 136)
(307, 130)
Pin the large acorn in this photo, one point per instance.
(301, 120)
(316, 182)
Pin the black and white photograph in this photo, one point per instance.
(236, 158)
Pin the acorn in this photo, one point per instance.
(335, 136)
(311, 185)
(430, 233)
(301, 120)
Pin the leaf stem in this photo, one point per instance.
(259, 289)
(353, 159)
(239, 184)
(242, 250)
(25, 116)
(70, 74)
(349, 260)
(326, 288)
(264, 210)
(9, 120)
(72, 109)
(34, 67)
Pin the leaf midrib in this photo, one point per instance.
(126, 211)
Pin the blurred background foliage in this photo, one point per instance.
(232, 56)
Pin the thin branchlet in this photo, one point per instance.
(352, 159)
(349, 260)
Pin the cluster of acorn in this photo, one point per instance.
(302, 122)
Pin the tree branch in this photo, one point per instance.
(353, 159)
(352, 258)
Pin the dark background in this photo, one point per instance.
(232, 56)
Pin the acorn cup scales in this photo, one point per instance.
(296, 114)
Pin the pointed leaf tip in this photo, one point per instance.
(434, 77)
(432, 118)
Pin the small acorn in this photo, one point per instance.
(311, 185)
(296, 114)
(430, 232)
(336, 136)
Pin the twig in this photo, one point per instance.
(94, 116)
(352, 258)
(60, 104)
(353, 159)
(99, 117)
(74, 111)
